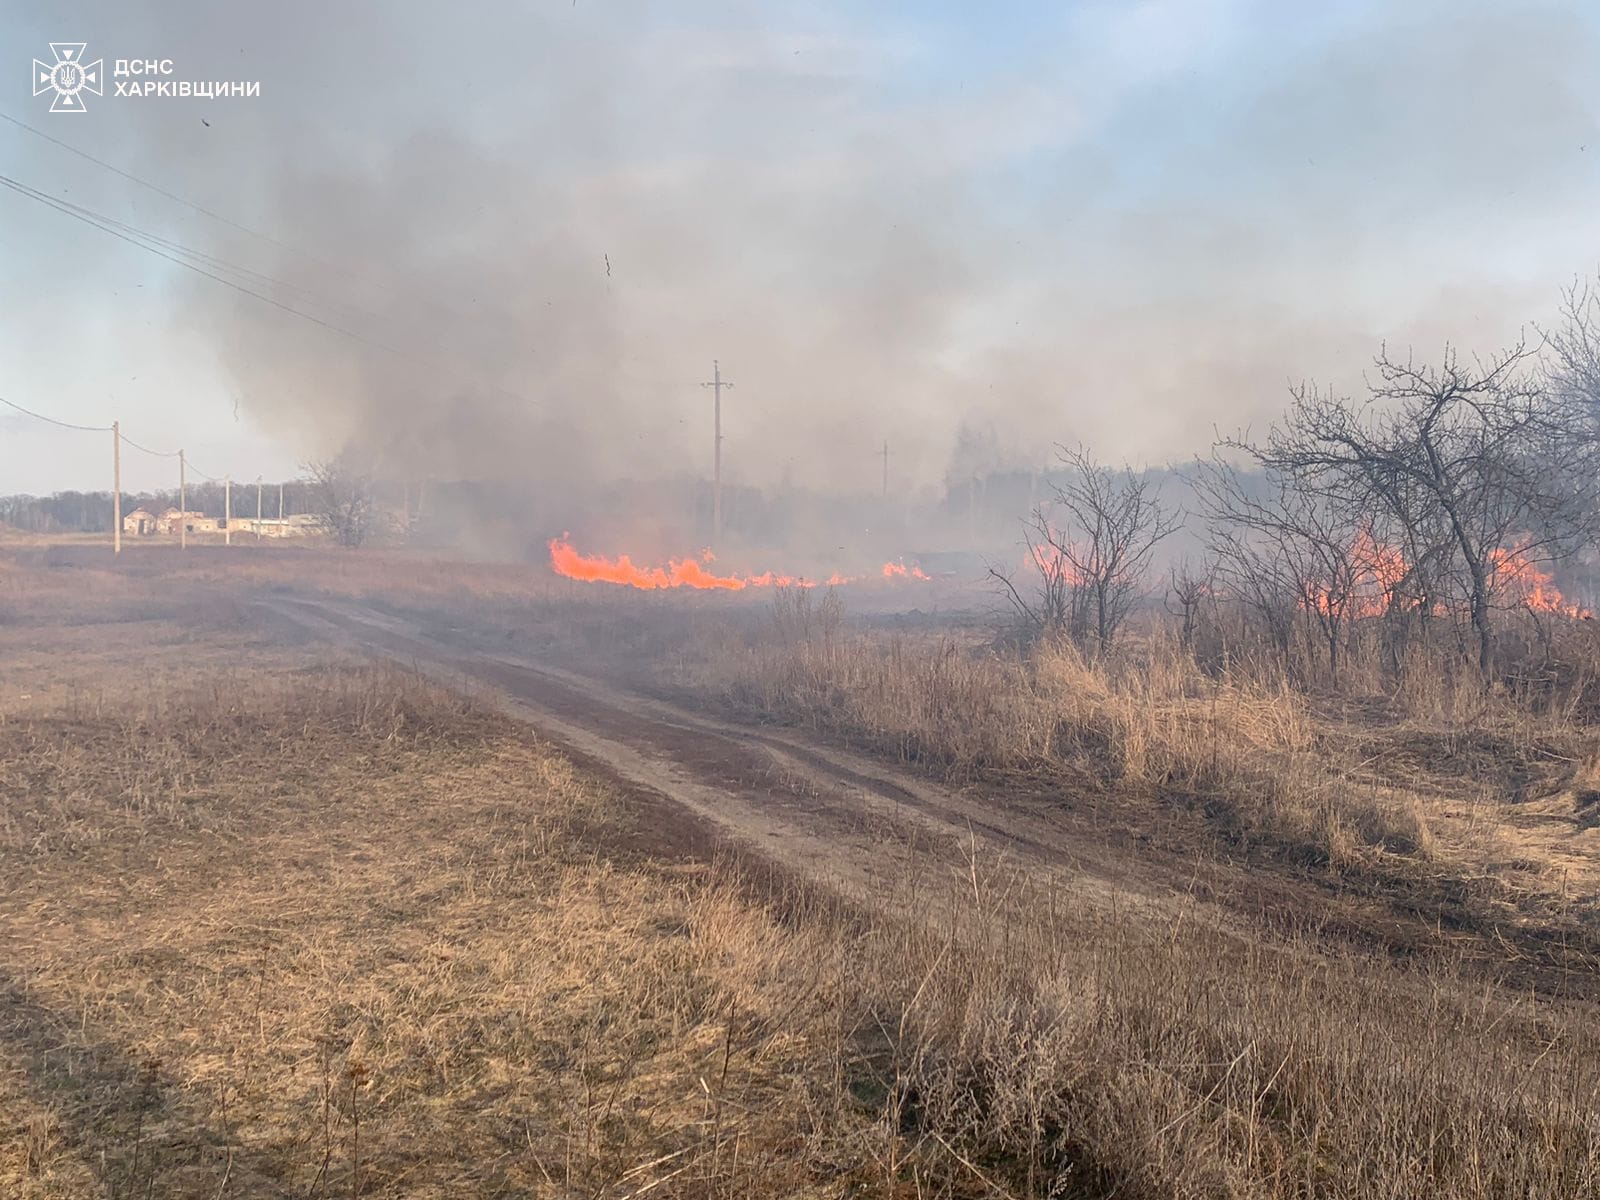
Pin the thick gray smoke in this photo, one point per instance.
(1122, 227)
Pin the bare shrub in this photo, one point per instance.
(1091, 545)
(1457, 463)
(342, 497)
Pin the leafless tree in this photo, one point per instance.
(1288, 553)
(341, 494)
(1188, 587)
(1092, 543)
(1573, 359)
(1460, 459)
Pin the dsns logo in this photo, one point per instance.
(69, 77)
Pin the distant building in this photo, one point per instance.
(143, 523)
(175, 521)
(298, 525)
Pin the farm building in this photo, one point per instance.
(298, 525)
(175, 521)
(141, 522)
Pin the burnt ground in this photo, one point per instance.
(850, 821)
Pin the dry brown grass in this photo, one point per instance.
(346, 934)
(271, 926)
(1248, 750)
(1278, 774)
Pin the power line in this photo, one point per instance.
(147, 450)
(189, 462)
(345, 269)
(215, 216)
(108, 429)
(160, 191)
(106, 225)
(142, 239)
(180, 255)
(64, 424)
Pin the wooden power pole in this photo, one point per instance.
(116, 487)
(716, 385)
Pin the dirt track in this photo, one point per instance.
(833, 817)
(859, 824)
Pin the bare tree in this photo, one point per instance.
(1573, 363)
(341, 497)
(1290, 552)
(1092, 544)
(1188, 587)
(1462, 459)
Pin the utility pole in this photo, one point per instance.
(258, 509)
(716, 385)
(886, 468)
(183, 503)
(116, 487)
(280, 503)
(227, 510)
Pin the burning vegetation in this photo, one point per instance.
(695, 573)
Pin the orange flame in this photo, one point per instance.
(684, 572)
(1053, 564)
(893, 570)
(566, 560)
(1381, 569)
(1515, 575)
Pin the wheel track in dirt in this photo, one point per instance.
(858, 825)
(831, 816)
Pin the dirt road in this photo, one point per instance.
(858, 824)
(836, 818)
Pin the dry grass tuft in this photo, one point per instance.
(1149, 722)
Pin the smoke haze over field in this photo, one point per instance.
(1122, 225)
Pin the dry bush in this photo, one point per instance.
(1132, 1058)
(1240, 745)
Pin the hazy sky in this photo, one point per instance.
(1121, 223)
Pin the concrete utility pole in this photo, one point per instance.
(716, 385)
(116, 487)
(280, 502)
(183, 503)
(227, 510)
(258, 508)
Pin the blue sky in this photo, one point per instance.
(1117, 223)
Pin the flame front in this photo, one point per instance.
(566, 560)
(1378, 575)
(899, 570)
(1514, 574)
(1381, 571)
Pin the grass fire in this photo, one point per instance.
(694, 573)
(846, 602)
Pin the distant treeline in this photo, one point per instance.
(90, 512)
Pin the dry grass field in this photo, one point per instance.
(276, 921)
